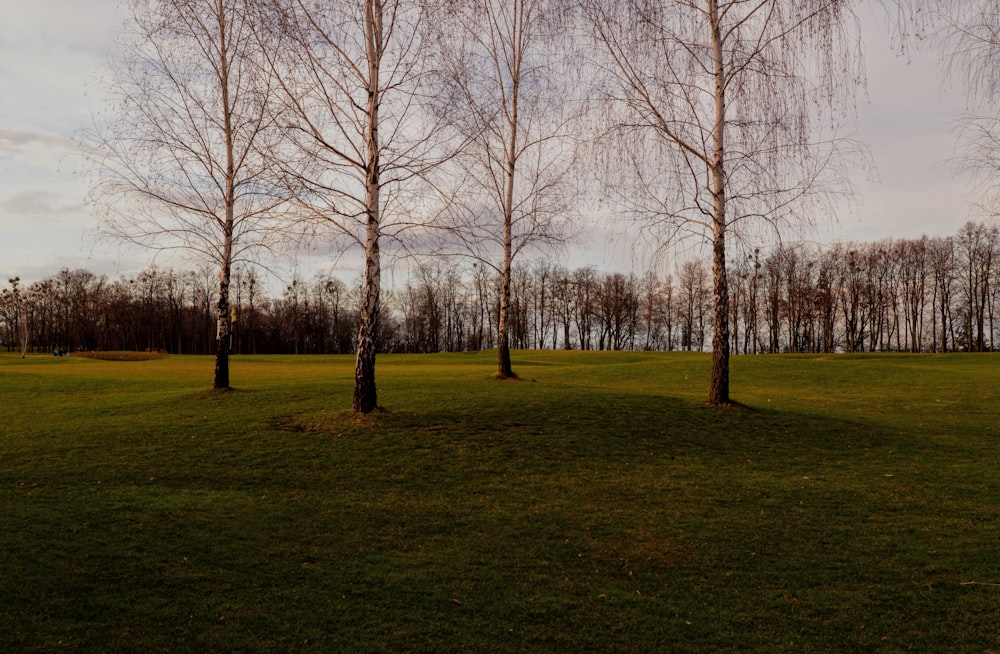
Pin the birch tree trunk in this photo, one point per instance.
(508, 96)
(223, 337)
(353, 79)
(719, 389)
(365, 394)
(505, 369)
(712, 121)
(179, 151)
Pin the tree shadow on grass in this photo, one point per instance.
(585, 520)
(605, 423)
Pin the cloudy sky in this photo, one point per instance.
(53, 51)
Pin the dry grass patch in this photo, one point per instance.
(120, 355)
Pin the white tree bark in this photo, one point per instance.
(509, 97)
(180, 163)
(352, 78)
(717, 108)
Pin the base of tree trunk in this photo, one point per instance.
(364, 401)
(221, 379)
(365, 397)
(728, 404)
(504, 369)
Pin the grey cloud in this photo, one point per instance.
(37, 203)
(14, 141)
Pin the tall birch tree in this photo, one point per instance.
(508, 95)
(352, 76)
(178, 150)
(970, 38)
(720, 108)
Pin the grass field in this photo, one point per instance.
(596, 505)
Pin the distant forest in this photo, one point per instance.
(927, 295)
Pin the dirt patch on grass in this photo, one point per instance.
(120, 356)
(332, 422)
(732, 405)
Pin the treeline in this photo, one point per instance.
(171, 311)
(926, 295)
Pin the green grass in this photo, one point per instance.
(594, 505)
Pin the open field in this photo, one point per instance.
(595, 505)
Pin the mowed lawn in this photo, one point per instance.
(595, 505)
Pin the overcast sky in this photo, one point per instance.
(52, 51)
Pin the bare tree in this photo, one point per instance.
(585, 286)
(14, 311)
(970, 37)
(352, 76)
(978, 248)
(747, 295)
(716, 101)
(914, 270)
(692, 303)
(507, 96)
(179, 161)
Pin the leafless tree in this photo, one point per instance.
(727, 110)
(352, 76)
(178, 151)
(913, 258)
(14, 311)
(586, 286)
(978, 249)
(503, 65)
(746, 275)
(692, 303)
(970, 37)
(943, 272)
